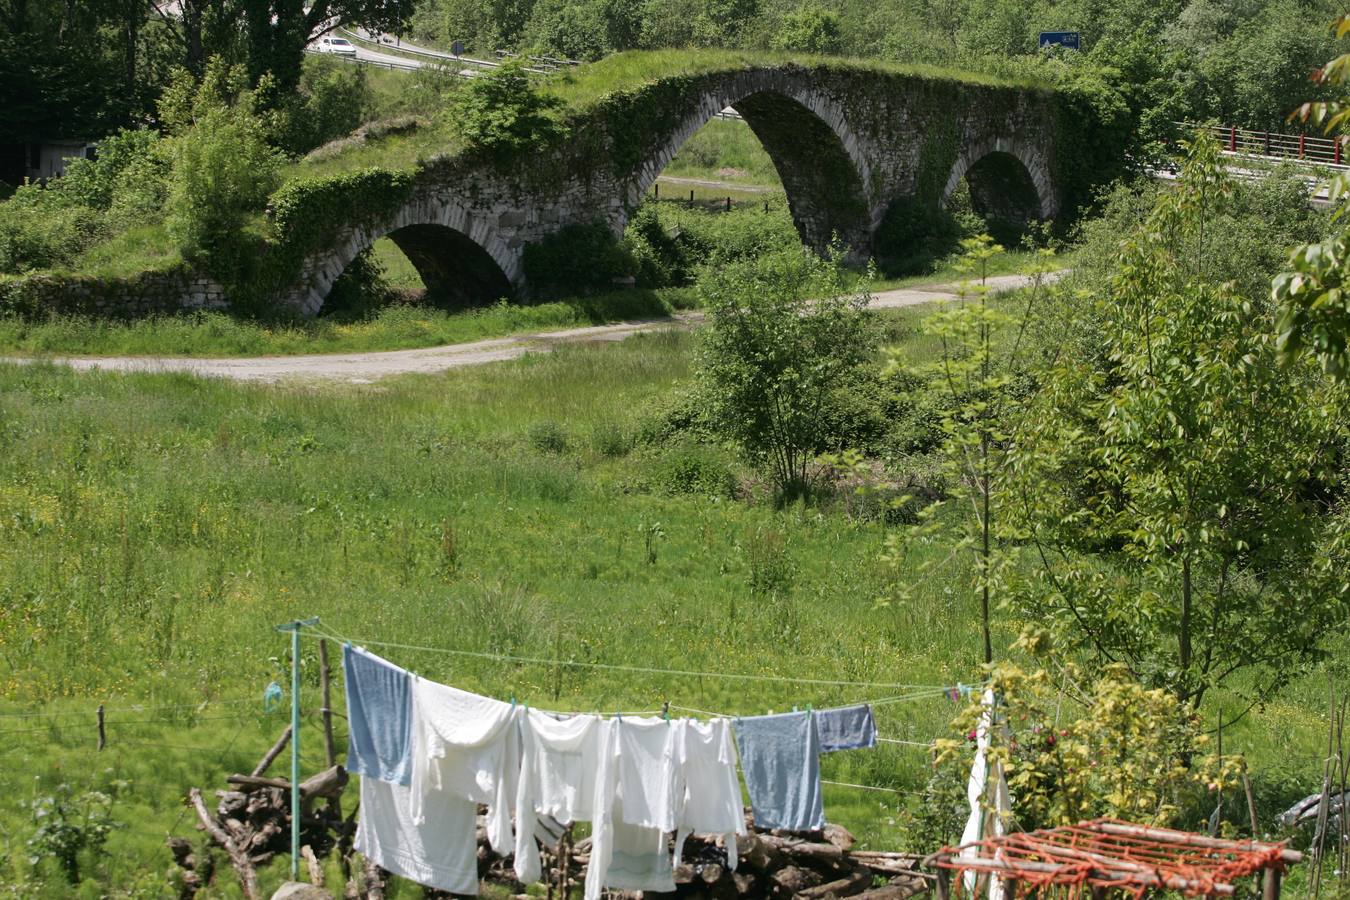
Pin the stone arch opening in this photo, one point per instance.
(1001, 190)
(461, 260)
(1008, 188)
(456, 271)
(806, 136)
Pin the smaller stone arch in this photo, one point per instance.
(457, 254)
(1007, 178)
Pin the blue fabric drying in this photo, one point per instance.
(379, 717)
(780, 758)
(846, 728)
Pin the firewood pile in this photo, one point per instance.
(770, 864)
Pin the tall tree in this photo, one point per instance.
(1180, 489)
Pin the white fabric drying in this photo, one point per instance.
(987, 793)
(708, 791)
(561, 760)
(464, 748)
(609, 772)
(433, 852)
(648, 751)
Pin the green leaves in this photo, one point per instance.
(1166, 481)
(503, 112)
(776, 364)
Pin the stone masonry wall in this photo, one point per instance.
(149, 294)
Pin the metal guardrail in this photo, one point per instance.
(402, 67)
(419, 51)
(1303, 149)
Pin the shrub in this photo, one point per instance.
(37, 231)
(502, 112)
(610, 439)
(577, 258)
(695, 469)
(332, 101)
(548, 437)
(775, 362)
(223, 167)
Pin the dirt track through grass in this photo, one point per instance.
(360, 368)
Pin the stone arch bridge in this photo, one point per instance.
(858, 148)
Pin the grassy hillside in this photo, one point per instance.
(156, 528)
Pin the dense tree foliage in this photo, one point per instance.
(1240, 61)
(1180, 489)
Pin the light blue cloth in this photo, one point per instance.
(780, 758)
(846, 728)
(379, 717)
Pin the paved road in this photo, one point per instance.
(363, 368)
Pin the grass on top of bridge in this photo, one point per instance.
(587, 84)
(583, 87)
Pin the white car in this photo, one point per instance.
(340, 46)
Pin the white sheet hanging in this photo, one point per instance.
(990, 804)
(464, 748)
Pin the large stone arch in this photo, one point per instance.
(806, 134)
(997, 172)
(457, 254)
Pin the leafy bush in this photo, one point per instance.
(1054, 767)
(670, 243)
(611, 439)
(695, 469)
(223, 167)
(775, 361)
(37, 231)
(548, 437)
(502, 111)
(66, 826)
(809, 28)
(332, 101)
(576, 259)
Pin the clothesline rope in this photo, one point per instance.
(647, 670)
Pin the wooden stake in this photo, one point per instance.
(1270, 886)
(327, 711)
(1251, 802)
(102, 735)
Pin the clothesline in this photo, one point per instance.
(315, 632)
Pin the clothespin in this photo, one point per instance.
(665, 710)
(808, 707)
(513, 701)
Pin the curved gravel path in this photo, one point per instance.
(362, 368)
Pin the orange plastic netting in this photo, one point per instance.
(1109, 854)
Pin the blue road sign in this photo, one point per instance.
(1060, 39)
(457, 48)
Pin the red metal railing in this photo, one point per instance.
(1308, 149)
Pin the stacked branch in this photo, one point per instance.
(806, 865)
(252, 823)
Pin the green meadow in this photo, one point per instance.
(155, 528)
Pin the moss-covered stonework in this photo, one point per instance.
(850, 143)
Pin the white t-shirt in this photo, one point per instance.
(708, 791)
(566, 772)
(648, 750)
(464, 748)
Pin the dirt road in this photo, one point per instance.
(362, 368)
